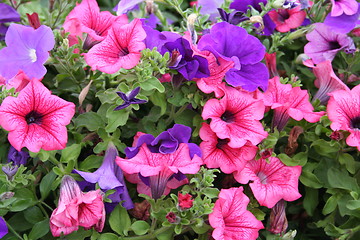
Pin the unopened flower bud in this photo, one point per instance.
(150, 8)
(10, 171)
(172, 218)
(191, 27)
(6, 195)
(84, 93)
(336, 135)
(266, 153)
(278, 3)
(258, 19)
(175, 58)
(300, 33)
(278, 220)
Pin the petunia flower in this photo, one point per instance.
(209, 7)
(343, 23)
(125, 5)
(3, 227)
(129, 99)
(155, 38)
(36, 119)
(270, 61)
(17, 157)
(326, 81)
(120, 49)
(185, 201)
(344, 113)
(235, 17)
(236, 117)
(231, 219)
(10, 170)
(7, 14)
(324, 43)
(278, 220)
(109, 176)
(86, 17)
(76, 208)
(158, 168)
(27, 50)
(349, 7)
(248, 72)
(288, 101)
(287, 19)
(218, 154)
(271, 180)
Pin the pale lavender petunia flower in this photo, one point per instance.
(349, 7)
(125, 5)
(26, 49)
(210, 7)
(324, 43)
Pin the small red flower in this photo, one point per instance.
(185, 201)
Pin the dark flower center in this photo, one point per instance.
(334, 45)
(355, 123)
(283, 15)
(221, 143)
(228, 117)
(123, 51)
(33, 117)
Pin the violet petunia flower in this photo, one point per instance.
(349, 7)
(324, 43)
(129, 99)
(3, 228)
(125, 5)
(167, 142)
(27, 50)
(17, 157)
(7, 14)
(184, 61)
(343, 23)
(248, 72)
(209, 7)
(234, 17)
(10, 171)
(109, 176)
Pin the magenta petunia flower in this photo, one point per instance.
(120, 49)
(324, 43)
(349, 7)
(289, 102)
(87, 18)
(236, 117)
(26, 49)
(343, 110)
(218, 154)
(271, 180)
(36, 119)
(159, 167)
(230, 218)
(326, 81)
(287, 19)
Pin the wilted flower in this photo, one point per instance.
(278, 220)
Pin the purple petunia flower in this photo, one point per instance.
(3, 227)
(234, 17)
(167, 142)
(129, 99)
(343, 23)
(209, 7)
(125, 5)
(7, 14)
(248, 72)
(109, 176)
(184, 61)
(339, 7)
(155, 38)
(10, 170)
(27, 50)
(324, 43)
(16, 157)
(245, 5)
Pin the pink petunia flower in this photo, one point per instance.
(156, 169)
(271, 180)
(218, 154)
(76, 208)
(236, 117)
(287, 19)
(326, 81)
(120, 49)
(19, 81)
(270, 61)
(36, 119)
(343, 110)
(185, 201)
(231, 219)
(348, 7)
(288, 101)
(87, 18)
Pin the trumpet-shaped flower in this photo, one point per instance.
(289, 102)
(231, 219)
(27, 49)
(248, 72)
(344, 112)
(236, 117)
(158, 168)
(271, 180)
(76, 208)
(36, 119)
(218, 154)
(327, 81)
(109, 176)
(287, 19)
(349, 7)
(120, 49)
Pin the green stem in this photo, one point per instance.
(42, 209)
(176, 5)
(13, 231)
(50, 208)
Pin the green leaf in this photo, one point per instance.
(24, 199)
(120, 221)
(310, 180)
(91, 162)
(325, 148)
(140, 227)
(39, 230)
(33, 215)
(311, 200)
(200, 227)
(331, 204)
(159, 99)
(46, 183)
(210, 192)
(116, 119)
(70, 153)
(90, 120)
(108, 236)
(168, 234)
(349, 162)
(353, 204)
(342, 180)
(152, 83)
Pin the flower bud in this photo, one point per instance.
(172, 218)
(278, 220)
(258, 19)
(6, 195)
(191, 27)
(278, 3)
(150, 8)
(10, 171)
